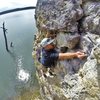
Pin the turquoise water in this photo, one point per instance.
(17, 69)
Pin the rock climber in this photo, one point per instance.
(50, 56)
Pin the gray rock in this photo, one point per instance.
(76, 79)
(86, 44)
(72, 41)
(91, 22)
(58, 14)
(69, 40)
(97, 53)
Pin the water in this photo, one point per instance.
(17, 67)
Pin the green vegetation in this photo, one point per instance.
(29, 95)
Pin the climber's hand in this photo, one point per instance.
(80, 55)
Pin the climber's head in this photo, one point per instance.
(48, 43)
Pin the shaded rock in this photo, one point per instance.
(72, 66)
(69, 40)
(63, 49)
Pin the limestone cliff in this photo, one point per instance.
(76, 26)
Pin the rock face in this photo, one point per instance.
(76, 26)
(91, 22)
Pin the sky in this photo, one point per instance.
(8, 4)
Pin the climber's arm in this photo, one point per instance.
(63, 56)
